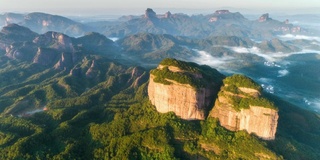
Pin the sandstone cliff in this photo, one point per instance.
(171, 89)
(243, 108)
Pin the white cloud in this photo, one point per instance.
(269, 57)
(265, 80)
(316, 105)
(206, 58)
(113, 38)
(294, 37)
(283, 73)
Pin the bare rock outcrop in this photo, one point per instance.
(150, 14)
(257, 119)
(170, 91)
(243, 108)
(77, 72)
(56, 41)
(168, 15)
(222, 12)
(264, 17)
(65, 62)
(138, 76)
(181, 99)
(21, 51)
(93, 71)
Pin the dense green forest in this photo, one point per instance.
(115, 120)
(242, 100)
(97, 108)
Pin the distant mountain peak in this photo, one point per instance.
(150, 14)
(222, 12)
(264, 17)
(225, 15)
(167, 14)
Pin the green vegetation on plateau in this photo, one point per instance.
(187, 75)
(232, 84)
(239, 80)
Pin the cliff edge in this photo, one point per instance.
(239, 106)
(185, 88)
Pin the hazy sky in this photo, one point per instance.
(132, 6)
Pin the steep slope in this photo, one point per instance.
(14, 33)
(97, 43)
(240, 107)
(9, 18)
(185, 88)
(43, 22)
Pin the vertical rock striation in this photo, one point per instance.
(181, 99)
(242, 108)
(174, 93)
(257, 119)
(189, 90)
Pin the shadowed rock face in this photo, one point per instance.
(21, 51)
(149, 13)
(13, 33)
(55, 40)
(45, 56)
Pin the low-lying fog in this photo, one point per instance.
(293, 76)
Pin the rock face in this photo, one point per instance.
(256, 118)
(183, 99)
(222, 12)
(149, 13)
(55, 40)
(168, 15)
(264, 17)
(45, 56)
(225, 15)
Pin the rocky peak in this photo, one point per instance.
(264, 17)
(168, 15)
(17, 33)
(55, 40)
(150, 14)
(13, 18)
(225, 15)
(240, 106)
(186, 89)
(222, 12)
(286, 21)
